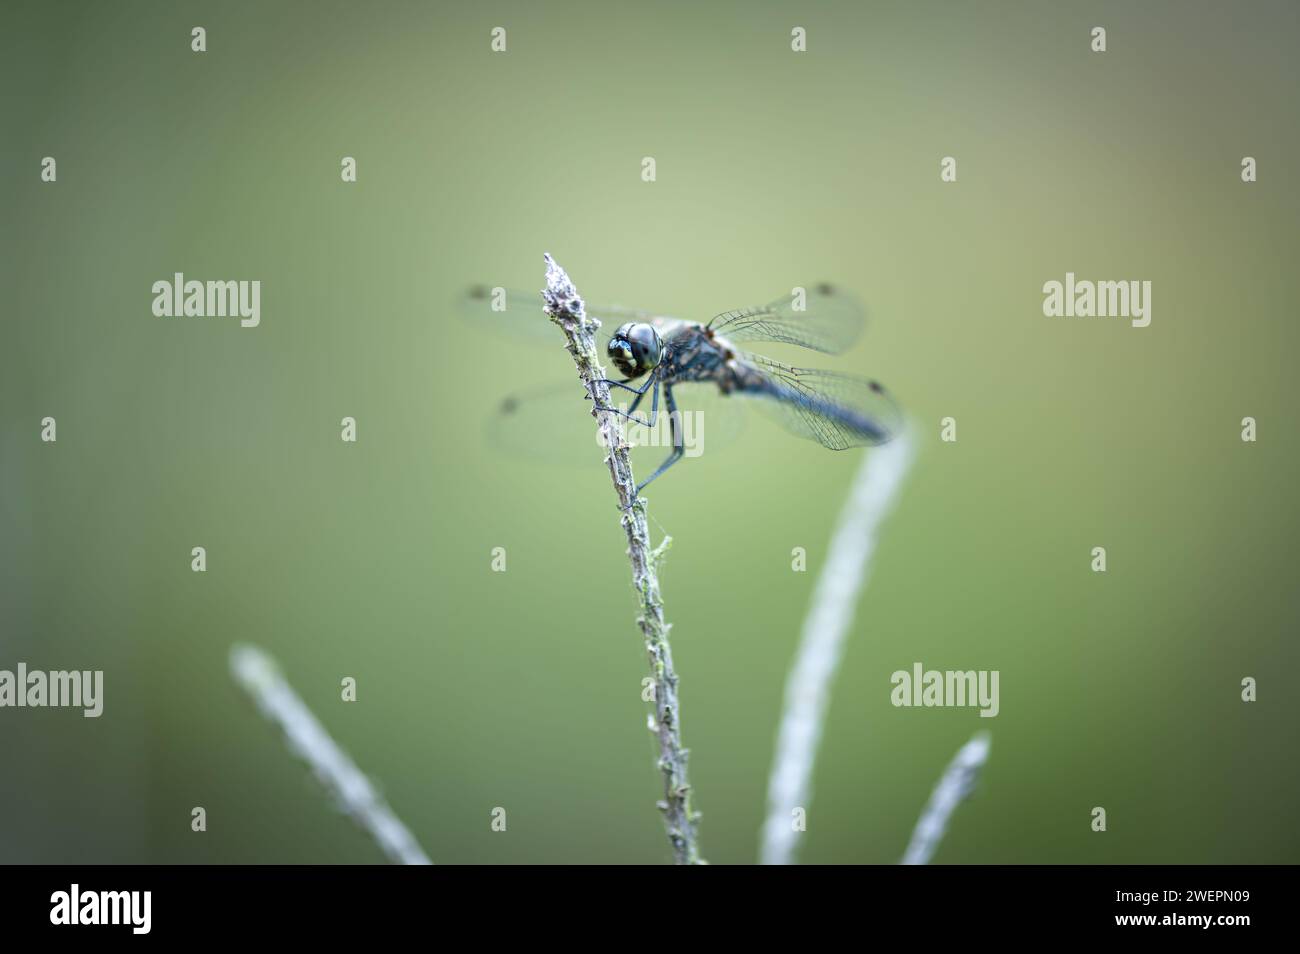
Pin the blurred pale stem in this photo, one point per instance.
(955, 786)
(566, 309)
(821, 646)
(260, 677)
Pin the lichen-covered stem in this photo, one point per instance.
(566, 308)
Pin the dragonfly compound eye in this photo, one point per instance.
(635, 349)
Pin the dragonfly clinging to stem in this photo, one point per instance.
(656, 355)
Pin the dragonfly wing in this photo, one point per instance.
(553, 424)
(836, 410)
(709, 419)
(822, 317)
(550, 424)
(510, 311)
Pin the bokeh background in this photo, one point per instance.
(521, 689)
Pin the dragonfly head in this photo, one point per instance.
(635, 348)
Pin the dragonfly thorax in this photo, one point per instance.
(635, 348)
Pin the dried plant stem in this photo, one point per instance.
(956, 785)
(566, 309)
(821, 646)
(259, 676)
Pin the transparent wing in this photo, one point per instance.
(836, 410)
(553, 424)
(822, 317)
(519, 313)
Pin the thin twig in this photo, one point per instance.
(956, 785)
(821, 646)
(260, 677)
(566, 309)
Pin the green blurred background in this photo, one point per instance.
(521, 689)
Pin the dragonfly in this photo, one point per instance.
(656, 355)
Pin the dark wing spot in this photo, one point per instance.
(478, 292)
(876, 386)
(510, 405)
(826, 288)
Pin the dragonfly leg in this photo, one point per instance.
(679, 447)
(630, 412)
(627, 387)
